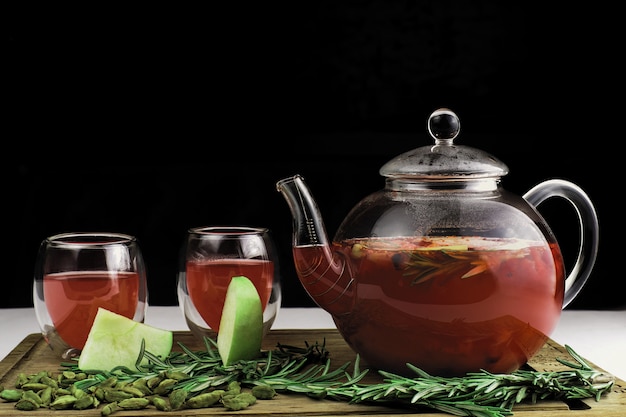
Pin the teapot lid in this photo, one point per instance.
(444, 160)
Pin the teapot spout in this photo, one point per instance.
(323, 272)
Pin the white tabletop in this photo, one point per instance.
(598, 336)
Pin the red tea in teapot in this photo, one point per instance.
(443, 304)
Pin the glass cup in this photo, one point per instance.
(75, 274)
(210, 257)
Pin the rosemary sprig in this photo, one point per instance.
(204, 369)
(308, 371)
(483, 394)
(424, 265)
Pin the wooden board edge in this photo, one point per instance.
(563, 350)
(19, 352)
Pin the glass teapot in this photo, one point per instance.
(442, 268)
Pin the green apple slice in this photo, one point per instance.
(241, 326)
(115, 340)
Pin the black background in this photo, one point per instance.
(152, 120)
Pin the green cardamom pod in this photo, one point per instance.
(77, 392)
(68, 375)
(98, 392)
(62, 391)
(134, 403)
(11, 395)
(233, 403)
(177, 398)
(263, 392)
(203, 400)
(234, 387)
(135, 392)
(113, 395)
(165, 386)
(46, 396)
(177, 375)
(37, 377)
(142, 385)
(109, 382)
(63, 402)
(161, 404)
(109, 409)
(154, 381)
(51, 382)
(85, 402)
(246, 396)
(227, 395)
(31, 395)
(34, 386)
(25, 404)
(21, 380)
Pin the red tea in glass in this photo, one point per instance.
(72, 300)
(208, 280)
(443, 303)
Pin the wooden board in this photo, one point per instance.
(33, 355)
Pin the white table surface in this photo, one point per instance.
(598, 336)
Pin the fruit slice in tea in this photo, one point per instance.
(241, 325)
(208, 281)
(73, 298)
(115, 340)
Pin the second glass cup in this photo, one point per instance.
(210, 257)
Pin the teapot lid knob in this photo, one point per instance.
(444, 126)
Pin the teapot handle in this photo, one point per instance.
(589, 230)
